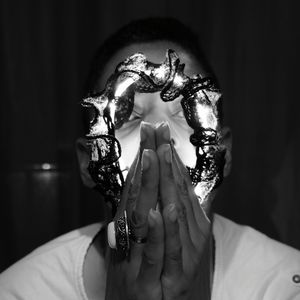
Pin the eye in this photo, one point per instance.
(134, 116)
(179, 114)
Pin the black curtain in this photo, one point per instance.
(46, 48)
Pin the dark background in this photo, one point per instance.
(45, 51)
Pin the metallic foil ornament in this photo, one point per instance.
(113, 107)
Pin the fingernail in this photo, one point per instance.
(143, 131)
(166, 131)
(152, 217)
(145, 159)
(168, 154)
(172, 212)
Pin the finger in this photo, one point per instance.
(198, 222)
(153, 253)
(173, 255)
(130, 190)
(147, 141)
(188, 183)
(187, 217)
(182, 168)
(147, 197)
(149, 187)
(167, 190)
(189, 250)
(187, 230)
(133, 180)
(147, 134)
(162, 134)
(200, 215)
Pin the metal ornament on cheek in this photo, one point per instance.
(113, 107)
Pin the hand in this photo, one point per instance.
(138, 277)
(187, 228)
(169, 266)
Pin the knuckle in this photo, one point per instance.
(196, 258)
(149, 258)
(152, 255)
(182, 215)
(182, 187)
(149, 181)
(167, 281)
(146, 290)
(176, 288)
(131, 198)
(175, 254)
(155, 238)
(201, 242)
(137, 220)
(133, 190)
(175, 257)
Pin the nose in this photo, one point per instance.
(156, 117)
(157, 111)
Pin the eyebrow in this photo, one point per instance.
(137, 107)
(176, 105)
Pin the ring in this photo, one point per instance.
(121, 231)
(118, 234)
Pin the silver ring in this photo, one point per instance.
(122, 233)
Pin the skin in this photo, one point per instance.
(175, 261)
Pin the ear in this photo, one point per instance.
(83, 161)
(227, 142)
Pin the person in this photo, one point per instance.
(189, 252)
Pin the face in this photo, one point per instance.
(149, 107)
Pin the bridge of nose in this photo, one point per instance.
(153, 108)
(155, 111)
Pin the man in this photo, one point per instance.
(187, 252)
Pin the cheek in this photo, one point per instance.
(129, 139)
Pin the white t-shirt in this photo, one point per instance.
(248, 266)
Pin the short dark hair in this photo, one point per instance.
(145, 31)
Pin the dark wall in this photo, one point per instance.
(46, 47)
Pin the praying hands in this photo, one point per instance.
(169, 251)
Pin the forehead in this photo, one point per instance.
(156, 53)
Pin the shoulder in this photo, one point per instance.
(55, 268)
(255, 263)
